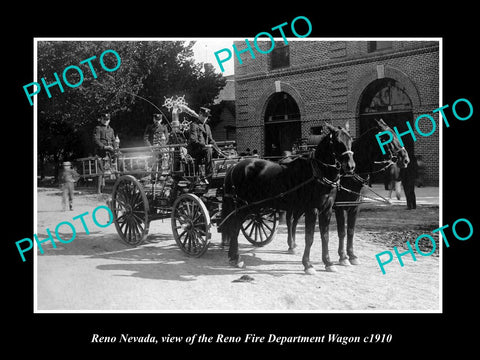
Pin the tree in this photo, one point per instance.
(149, 72)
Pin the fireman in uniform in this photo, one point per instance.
(156, 133)
(200, 136)
(104, 138)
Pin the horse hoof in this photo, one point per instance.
(344, 262)
(331, 268)
(310, 271)
(354, 261)
(237, 263)
(291, 251)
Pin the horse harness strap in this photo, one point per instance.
(316, 176)
(322, 179)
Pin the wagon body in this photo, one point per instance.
(164, 182)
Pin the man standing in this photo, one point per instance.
(408, 176)
(105, 146)
(156, 134)
(200, 136)
(68, 177)
(104, 138)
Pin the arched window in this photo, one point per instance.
(388, 100)
(385, 95)
(282, 124)
(281, 107)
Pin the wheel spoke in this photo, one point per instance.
(197, 216)
(265, 225)
(137, 221)
(120, 219)
(126, 193)
(263, 230)
(137, 202)
(122, 224)
(128, 229)
(260, 231)
(248, 225)
(122, 201)
(141, 216)
(202, 232)
(188, 212)
(181, 212)
(194, 210)
(135, 228)
(251, 230)
(182, 233)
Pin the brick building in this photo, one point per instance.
(224, 112)
(287, 94)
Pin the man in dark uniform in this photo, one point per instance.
(199, 137)
(156, 133)
(408, 176)
(104, 137)
(105, 146)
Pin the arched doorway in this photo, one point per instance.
(386, 99)
(282, 124)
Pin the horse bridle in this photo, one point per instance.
(392, 155)
(392, 159)
(337, 165)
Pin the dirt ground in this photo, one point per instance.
(97, 272)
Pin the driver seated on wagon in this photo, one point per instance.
(200, 141)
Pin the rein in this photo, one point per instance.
(356, 203)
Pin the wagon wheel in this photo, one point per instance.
(191, 224)
(130, 210)
(260, 228)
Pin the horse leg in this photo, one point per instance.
(340, 216)
(225, 239)
(398, 190)
(310, 221)
(232, 235)
(323, 223)
(296, 217)
(292, 221)
(351, 220)
(288, 220)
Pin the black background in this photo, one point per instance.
(60, 335)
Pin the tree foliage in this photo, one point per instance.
(149, 72)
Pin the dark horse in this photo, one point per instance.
(303, 184)
(368, 159)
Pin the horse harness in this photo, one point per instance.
(315, 164)
(392, 159)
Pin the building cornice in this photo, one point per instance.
(351, 60)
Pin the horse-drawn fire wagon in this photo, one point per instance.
(160, 182)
